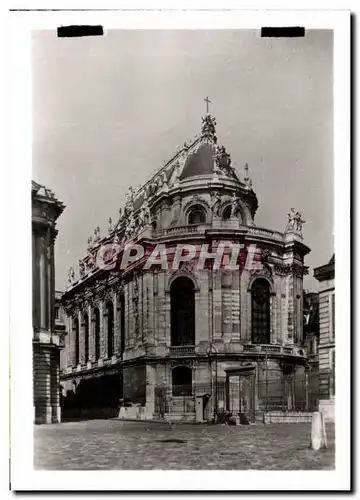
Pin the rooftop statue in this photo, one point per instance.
(208, 128)
(295, 222)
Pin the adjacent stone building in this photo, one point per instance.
(326, 276)
(48, 339)
(190, 341)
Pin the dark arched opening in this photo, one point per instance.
(260, 312)
(110, 328)
(182, 381)
(226, 213)
(97, 333)
(182, 295)
(197, 216)
(86, 335)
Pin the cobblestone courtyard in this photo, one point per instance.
(115, 444)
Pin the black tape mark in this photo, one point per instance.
(292, 31)
(77, 31)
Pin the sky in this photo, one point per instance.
(109, 111)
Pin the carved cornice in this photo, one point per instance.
(286, 269)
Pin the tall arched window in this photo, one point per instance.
(197, 215)
(97, 332)
(182, 381)
(182, 295)
(260, 312)
(77, 341)
(86, 335)
(110, 328)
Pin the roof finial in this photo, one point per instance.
(207, 100)
(247, 180)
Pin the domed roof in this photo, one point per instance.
(201, 162)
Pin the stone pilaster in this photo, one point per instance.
(81, 338)
(91, 312)
(73, 340)
(217, 307)
(103, 330)
(201, 308)
(116, 304)
(150, 388)
(43, 285)
(226, 303)
(235, 307)
(127, 316)
(160, 302)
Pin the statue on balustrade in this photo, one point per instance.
(235, 206)
(215, 204)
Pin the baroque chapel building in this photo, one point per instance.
(189, 342)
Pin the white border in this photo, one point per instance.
(18, 177)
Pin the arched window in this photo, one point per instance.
(110, 328)
(226, 213)
(182, 381)
(86, 335)
(182, 300)
(197, 215)
(260, 312)
(97, 332)
(77, 341)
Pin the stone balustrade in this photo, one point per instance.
(183, 350)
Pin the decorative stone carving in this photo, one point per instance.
(295, 222)
(265, 254)
(235, 206)
(110, 226)
(130, 228)
(129, 202)
(96, 234)
(247, 180)
(91, 261)
(181, 362)
(208, 129)
(90, 243)
(215, 204)
(164, 184)
(71, 275)
(265, 271)
(81, 269)
(177, 173)
(285, 269)
(291, 221)
(299, 222)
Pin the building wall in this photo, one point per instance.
(47, 336)
(327, 339)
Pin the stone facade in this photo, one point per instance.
(189, 336)
(326, 277)
(48, 338)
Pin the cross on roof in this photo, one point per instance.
(207, 104)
